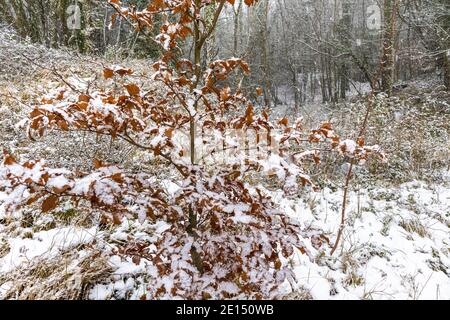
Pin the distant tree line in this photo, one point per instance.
(306, 49)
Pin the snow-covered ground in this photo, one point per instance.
(396, 246)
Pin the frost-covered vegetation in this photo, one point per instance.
(131, 178)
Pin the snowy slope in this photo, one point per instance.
(396, 244)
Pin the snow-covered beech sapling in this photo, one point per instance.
(224, 237)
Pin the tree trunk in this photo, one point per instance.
(264, 47)
(446, 70)
(388, 56)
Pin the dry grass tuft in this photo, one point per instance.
(66, 277)
(300, 294)
(414, 226)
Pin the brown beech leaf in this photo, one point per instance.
(136, 260)
(116, 219)
(360, 141)
(45, 177)
(117, 177)
(132, 89)
(61, 95)
(97, 164)
(108, 73)
(61, 190)
(278, 264)
(84, 98)
(33, 199)
(284, 122)
(327, 126)
(49, 204)
(123, 71)
(63, 125)
(8, 160)
(169, 133)
(302, 250)
(245, 67)
(249, 115)
(35, 113)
